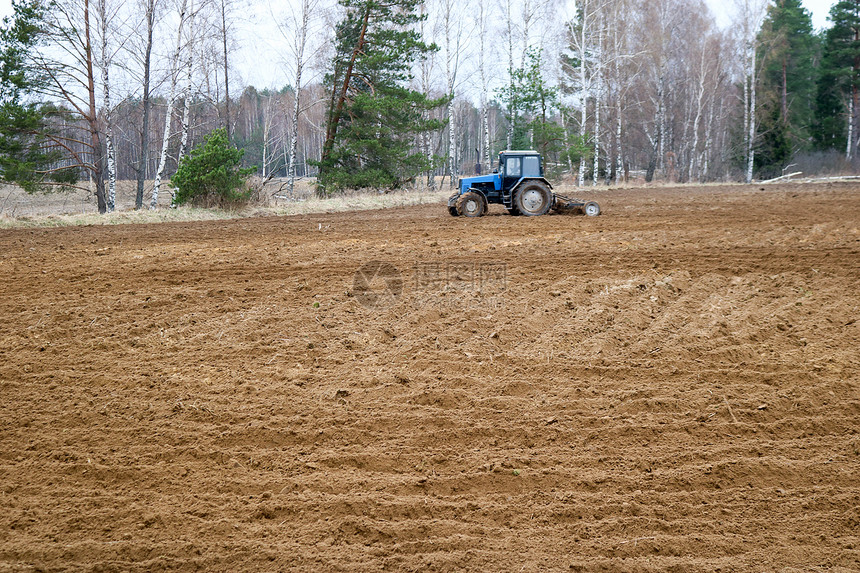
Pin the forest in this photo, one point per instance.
(384, 94)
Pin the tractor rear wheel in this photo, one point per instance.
(471, 205)
(533, 198)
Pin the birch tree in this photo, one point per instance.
(452, 31)
(183, 14)
(188, 66)
(426, 68)
(107, 16)
(482, 25)
(510, 28)
(749, 17)
(302, 29)
(579, 67)
(148, 9)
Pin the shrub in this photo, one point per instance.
(210, 173)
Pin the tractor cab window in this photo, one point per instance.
(513, 167)
(531, 166)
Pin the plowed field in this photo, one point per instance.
(674, 385)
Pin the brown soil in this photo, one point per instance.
(670, 386)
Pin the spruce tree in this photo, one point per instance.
(788, 76)
(374, 117)
(837, 99)
(532, 102)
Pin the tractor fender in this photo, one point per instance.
(482, 195)
(452, 200)
(526, 179)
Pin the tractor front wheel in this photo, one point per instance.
(471, 205)
(533, 198)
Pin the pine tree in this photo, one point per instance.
(532, 101)
(373, 116)
(836, 102)
(788, 76)
(211, 173)
(23, 159)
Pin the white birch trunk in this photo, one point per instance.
(746, 125)
(452, 144)
(619, 155)
(301, 44)
(596, 166)
(485, 116)
(267, 127)
(598, 94)
(566, 141)
(752, 121)
(426, 138)
(706, 153)
(168, 116)
(108, 108)
(849, 147)
(661, 123)
(700, 95)
(509, 17)
(619, 161)
(584, 92)
(452, 60)
(294, 135)
(482, 72)
(186, 106)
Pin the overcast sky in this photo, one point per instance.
(265, 71)
(819, 9)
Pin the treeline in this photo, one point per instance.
(388, 93)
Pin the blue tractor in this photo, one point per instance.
(519, 184)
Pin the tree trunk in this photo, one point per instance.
(226, 70)
(482, 72)
(849, 147)
(700, 94)
(661, 121)
(106, 63)
(168, 115)
(706, 153)
(596, 168)
(143, 160)
(752, 122)
(511, 111)
(452, 54)
(583, 101)
(294, 134)
(92, 116)
(453, 171)
(186, 105)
